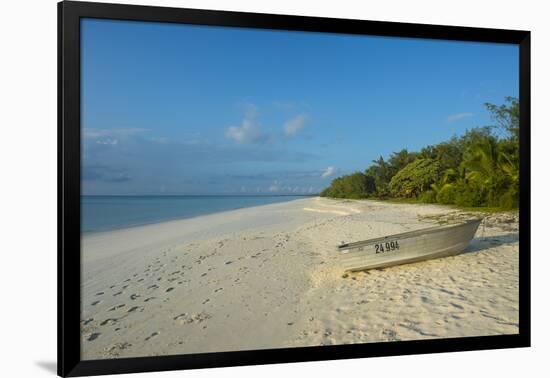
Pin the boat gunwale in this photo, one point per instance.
(408, 234)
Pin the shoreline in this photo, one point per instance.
(175, 219)
(268, 277)
(481, 210)
(180, 217)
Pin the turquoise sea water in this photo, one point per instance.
(105, 213)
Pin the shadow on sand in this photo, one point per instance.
(486, 242)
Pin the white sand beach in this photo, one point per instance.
(269, 277)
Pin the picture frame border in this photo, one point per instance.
(69, 186)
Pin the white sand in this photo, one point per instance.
(269, 277)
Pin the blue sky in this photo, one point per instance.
(179, 109)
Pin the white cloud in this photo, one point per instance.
(459, 116)
(107, 141)
(275, 187)
(329, 172)
(294, 125)
(111, 137)
(250, 110)
(249, 129)
(99, 133)
(246, 132)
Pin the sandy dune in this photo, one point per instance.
(269, 277)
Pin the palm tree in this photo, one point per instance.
(449, 178)
(495, 170)
(509, 163)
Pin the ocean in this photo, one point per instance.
(105, 213)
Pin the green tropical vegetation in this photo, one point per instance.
(478, 169)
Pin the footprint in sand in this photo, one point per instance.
(184, 318)
(87, 321)
(93, 336)
(135, 308)
(118, 293)
(149, 299)
(218, 289)
(154, 287)
(456, 305)
(151, 336)
(116, 307)
(180, 316)
(115, 349)
(108, 321)
(169, 289)
(100, 293)
(206, 301)
(426, 300)
(134, 296)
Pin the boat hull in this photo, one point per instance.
(408, 247)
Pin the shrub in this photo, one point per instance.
(509, 200)
(469, 195)
(428, 197)
(414, 178)
(355, 186)
(446, 195)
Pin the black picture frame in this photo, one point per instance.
(69, 15)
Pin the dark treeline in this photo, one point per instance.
(477, 169)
